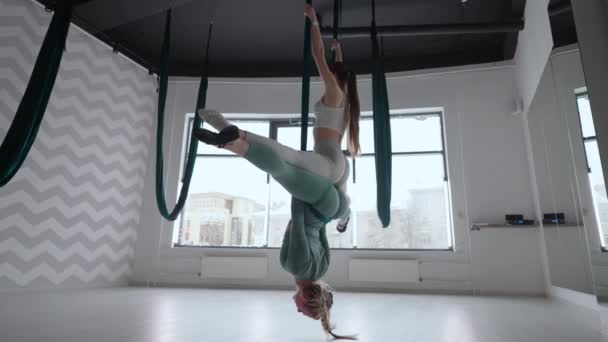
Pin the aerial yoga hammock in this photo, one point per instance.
(25, 125)
(382, 129)
(192, 149)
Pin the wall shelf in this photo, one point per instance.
(567, 225)
(477, 227)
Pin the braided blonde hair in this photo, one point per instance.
(321, 302)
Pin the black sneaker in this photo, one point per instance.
(220, 139)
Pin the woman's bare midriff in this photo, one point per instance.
(325, 134)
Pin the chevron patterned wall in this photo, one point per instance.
(68, 218)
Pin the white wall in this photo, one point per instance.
(486, 163)
(69, 216)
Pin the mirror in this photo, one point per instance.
(567, 173)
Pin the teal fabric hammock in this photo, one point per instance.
(336, 28)
(25, 125)
(306, 66)
(382, 129)
(192, 148)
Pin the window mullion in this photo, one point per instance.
(354, 170)
(445, 164)
(188, 137)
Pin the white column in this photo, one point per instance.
(534, 46)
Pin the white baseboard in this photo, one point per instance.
(57, 289)
(384, 271)
(586, 300)
(602, 293)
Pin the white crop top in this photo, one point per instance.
(330, 117)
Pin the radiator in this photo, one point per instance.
(234, 268)
(385, 271)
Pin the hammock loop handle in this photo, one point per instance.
(197, 123)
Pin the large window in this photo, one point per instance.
(594, 166)
(231, 203)
(420, 215)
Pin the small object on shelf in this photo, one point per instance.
(518, 220)
(522, 223)
(478, 226)
(554, 218)
(513, 217)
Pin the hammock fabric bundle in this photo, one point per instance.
(25, 125)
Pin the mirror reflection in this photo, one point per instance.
(568, 175)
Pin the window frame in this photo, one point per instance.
(289, 121)
(578, 95)
(409, 114)
(586, 139)
(190, 122)
(396, 114)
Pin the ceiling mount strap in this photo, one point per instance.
(306, 66)
(336, 28)
(382, 128)
(197, 123)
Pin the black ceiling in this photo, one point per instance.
(265, 38)
(562, 23)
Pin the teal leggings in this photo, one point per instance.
(319, 192)
(315, 201)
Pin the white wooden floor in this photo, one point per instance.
(193, 315)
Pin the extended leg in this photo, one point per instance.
(316, 163)
(214, 118)
(317, 191)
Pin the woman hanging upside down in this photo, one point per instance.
(316, 180)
